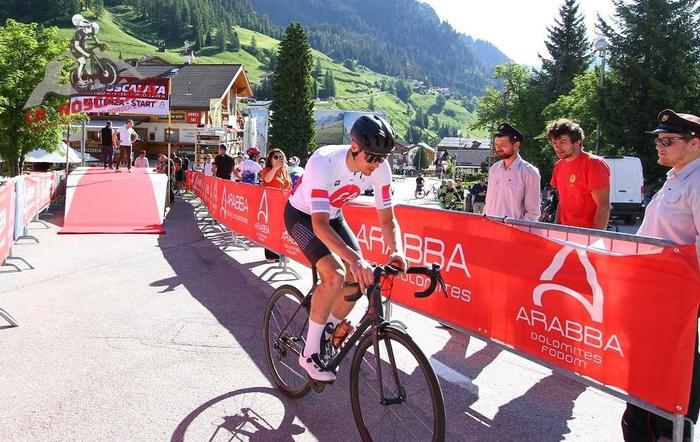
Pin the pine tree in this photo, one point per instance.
(292, 119)
(222, 37)
(235, 42)
(370, 104)
(569, 48)
(652, 67)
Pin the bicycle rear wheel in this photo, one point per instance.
(286, 321)
(420, 194)
(410, 405)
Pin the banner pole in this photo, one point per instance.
(67, 143)
(82, 146)
(170, 136)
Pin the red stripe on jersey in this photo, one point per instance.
(319, 193)
(386, 192)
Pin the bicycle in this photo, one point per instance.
(387, 363)
(420, 193)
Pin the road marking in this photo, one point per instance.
(453, 376)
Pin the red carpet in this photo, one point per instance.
(103, 201)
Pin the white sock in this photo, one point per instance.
(313, 338)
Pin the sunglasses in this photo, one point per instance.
(667, 142)
(374, 158)
(276, 157)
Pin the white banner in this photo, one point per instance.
(119, 105)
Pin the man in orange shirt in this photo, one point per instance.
(582, 179)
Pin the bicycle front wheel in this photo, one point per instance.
(286, 320)
(420, 193)
(407, 404)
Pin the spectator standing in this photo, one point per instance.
(459, 188)
(581, 178)
(141, 160)
(207, 166)
(223, 164)
(295, 170)
(275, 174)
(249, 169)
(166, 166)
(109, 139)
(448, 198)
(127, 138)
(179, 175)
(673, 213)
(514, 184)
(478, 194)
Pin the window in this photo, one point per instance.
(142, 133)
(93, 135)
(172, 135)
(151, 136)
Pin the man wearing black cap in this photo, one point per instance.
(514, 184)
(673, 213)
(582, 179)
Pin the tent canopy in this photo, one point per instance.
(57, 156)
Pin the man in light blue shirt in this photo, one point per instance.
(673, 213)
(514, 184)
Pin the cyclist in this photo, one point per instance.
(313, 216)
(420, 181)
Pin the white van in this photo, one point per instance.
(626, 187)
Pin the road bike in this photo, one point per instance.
(394, 391)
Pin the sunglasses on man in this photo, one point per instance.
(374, 157)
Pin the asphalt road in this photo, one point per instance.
(156, 338)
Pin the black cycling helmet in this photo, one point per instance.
(373, 135)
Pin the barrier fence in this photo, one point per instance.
(22, 199)
(616, 311)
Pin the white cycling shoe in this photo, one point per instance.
(315, 369)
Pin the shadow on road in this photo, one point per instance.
(237, 299)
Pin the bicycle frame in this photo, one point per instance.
(373, 318)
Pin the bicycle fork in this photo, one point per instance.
(401, 397)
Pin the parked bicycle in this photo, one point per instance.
(394, 391)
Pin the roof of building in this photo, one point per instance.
(470, 157)
(193, 85)
(462, 143)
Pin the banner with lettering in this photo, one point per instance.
(149, 96)
(7, 218)
(623, 314)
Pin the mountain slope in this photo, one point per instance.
(398, 37)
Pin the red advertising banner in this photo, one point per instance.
(7, 218)
(38, 188)
(625, 317)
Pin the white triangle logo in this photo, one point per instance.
(594, 308)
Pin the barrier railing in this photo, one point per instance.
(22, 199)
(600, 307)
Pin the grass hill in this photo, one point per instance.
(127, 37)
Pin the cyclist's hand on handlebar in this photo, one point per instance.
(363, 273)
(398, 260)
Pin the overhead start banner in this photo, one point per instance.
(149, 96)
(626, 319)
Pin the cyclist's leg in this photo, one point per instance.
(332, 275)
(341, 307)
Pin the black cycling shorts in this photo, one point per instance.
(300, 228)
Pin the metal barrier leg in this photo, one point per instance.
(10, 256)
(678, 420)
(8, 317)
(280, 269)
(26, 235)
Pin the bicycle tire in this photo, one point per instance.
(282, 361)
(363, 388)
(420, 194)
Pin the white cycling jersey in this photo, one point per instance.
(327, 183)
